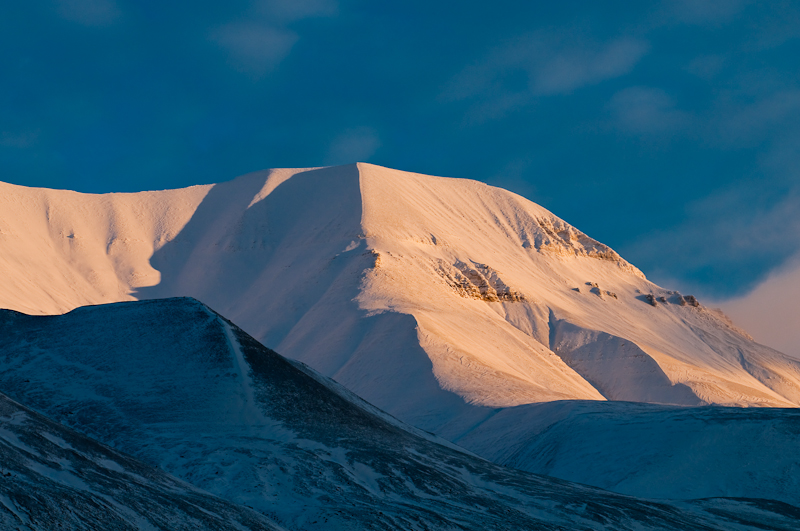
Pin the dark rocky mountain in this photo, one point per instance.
(180, 388)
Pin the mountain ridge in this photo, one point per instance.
(54, 477)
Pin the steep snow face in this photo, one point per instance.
(62, 249)
(177, 386)
(581, 306)
(427, 296)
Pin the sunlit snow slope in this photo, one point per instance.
(427, 296)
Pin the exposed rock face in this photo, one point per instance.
(376, 256)
(595, 288)
(478, 281)
(559, 237)
(651, 299)
(692, 301)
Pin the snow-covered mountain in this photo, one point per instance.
(460, 308)
(177, 386)
(426, 296)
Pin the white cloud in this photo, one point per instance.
(540, 65)
(645, 110)
(254, 49)
(90, 12)
(353, 145)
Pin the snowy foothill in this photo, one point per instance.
(647, 450)
(188, 392)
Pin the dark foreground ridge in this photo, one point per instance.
(52, 477)
(178, 387)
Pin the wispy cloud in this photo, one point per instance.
(22, 139)
(254, 49)
(737, 234)
(749, 123)
(646, 110)
(541, 64)
(770, 24)
(775, 27)
(707, 66)
(704, 12)
(259, 41)
(90, 12)
(353, 145)
(290, 10)
(750, 224)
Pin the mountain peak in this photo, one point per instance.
(428, 296)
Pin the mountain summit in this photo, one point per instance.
(427, 296)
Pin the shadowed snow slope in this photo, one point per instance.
(648, 450)
(428, 296)
(54, 478)
(177, 386)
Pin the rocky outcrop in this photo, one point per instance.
(559, 237)
(692, 301)
(478, 281)
(595, 288)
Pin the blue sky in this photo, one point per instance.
(668, 130)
